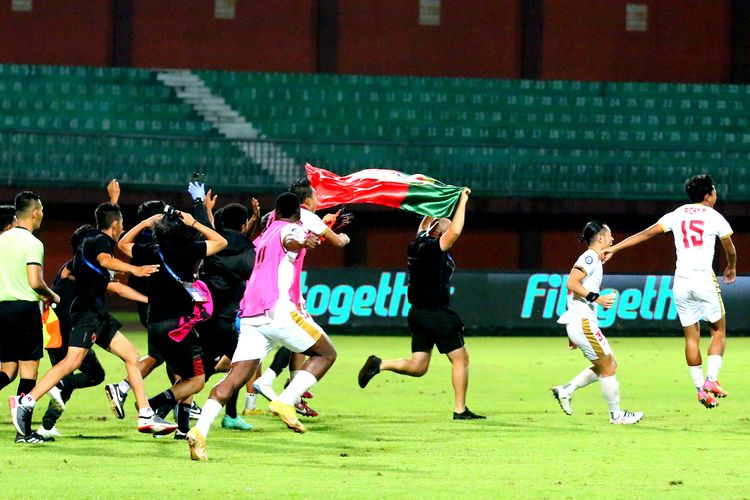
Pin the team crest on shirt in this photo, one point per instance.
(589, 259)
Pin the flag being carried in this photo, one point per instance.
(415, 193)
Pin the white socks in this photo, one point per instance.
(146, 412)
(713, 367)
(696, 375)
(299, 384)
(28, 401)
(611, 392)
(267, 378)
(586, 377)
(210, 411)
(250, 401)
(124, 386)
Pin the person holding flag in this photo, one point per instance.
(431, 321)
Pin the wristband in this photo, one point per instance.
(592, 296)
(194, 223)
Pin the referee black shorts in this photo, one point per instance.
(435, 327)
(20, 331)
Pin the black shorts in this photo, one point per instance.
(91, 328)
(435, 327)
(185, 358)
(20, 331)
(218, 337)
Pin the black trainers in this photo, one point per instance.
(179, 435)
(116, 399)
(467, 414)
(369, 370)
(20, 415)
(33, 438)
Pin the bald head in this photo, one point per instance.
(438, 227)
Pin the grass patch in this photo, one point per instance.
(396, 438)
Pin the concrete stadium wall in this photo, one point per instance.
(580, 39)
(266, 35)
(684, 42)
(64, 32)
(475, 38)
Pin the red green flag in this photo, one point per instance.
(414, 193)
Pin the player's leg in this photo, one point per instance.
(22, 407)
(251, 395)
(8, 371)
(715, 358)
(576, 339)
(459, 359)
(56, 373)
(299, 333)
(422, 342)
(146, 365)
(121, 347)
(264, 384)
(713, 311)
(252, 347)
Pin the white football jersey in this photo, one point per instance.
(695, 228)
(312, 222)
(589, 264)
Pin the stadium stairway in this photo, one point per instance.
(231, 124)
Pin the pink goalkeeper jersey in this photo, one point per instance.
(276, 272)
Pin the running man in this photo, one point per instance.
(431, 321)
(270, 312)
(696, 291)
(322, 228)
(584, 286)
(93, 324)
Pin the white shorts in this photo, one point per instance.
(584, 332)
(698, 299)
(258, 334)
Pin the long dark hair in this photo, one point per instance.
(173, 233)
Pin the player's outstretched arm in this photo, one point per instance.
(730, 273)
(112, 263)
(126, 292)
(457, 223)
(631, 241)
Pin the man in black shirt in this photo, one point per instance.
(91, 372)
(431, 321)
(225, 274)
(175, 244)
(92, 323)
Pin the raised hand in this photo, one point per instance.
(113, 191)
(210, 201)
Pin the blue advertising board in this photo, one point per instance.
(520, 303)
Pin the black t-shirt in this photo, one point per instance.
(66, 289)
(226, 273)
(91, 278)
(430, 271)
(138, 283)
(167, 299)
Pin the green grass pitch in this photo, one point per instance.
(396, 438)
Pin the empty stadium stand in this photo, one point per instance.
(501, 137)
